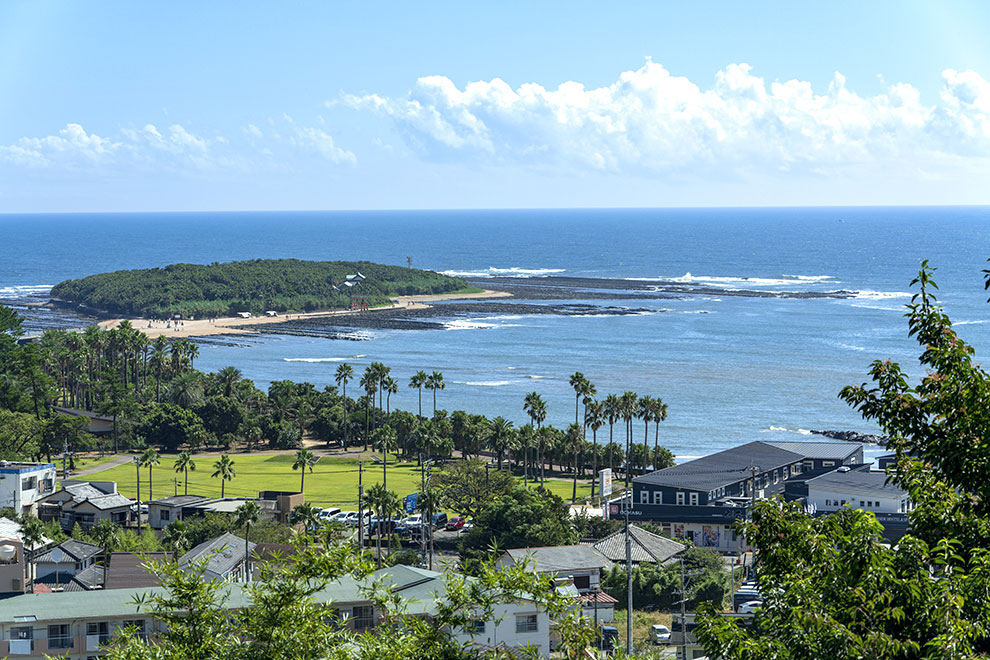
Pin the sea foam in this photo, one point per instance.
(503, 272)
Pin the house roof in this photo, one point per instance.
(862, 481)
(70, 550)
(179, 500)
(127, 570)
(114, 501)
(733, 465)
(559, 558)
(221, 555)
(602, 598)
(10, 529)
(646, 546)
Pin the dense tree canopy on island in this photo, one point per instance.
(248, 286)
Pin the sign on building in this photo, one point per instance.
(605, 478)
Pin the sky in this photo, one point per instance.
(122, 106)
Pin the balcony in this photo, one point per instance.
(93, 642)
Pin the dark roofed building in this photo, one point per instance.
(578, 562)
(646, 547)
(68, 558)
(166, 510)
(223, 557)
(128, 571)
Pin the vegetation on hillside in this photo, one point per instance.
(222, 289)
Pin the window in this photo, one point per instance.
(680, 497)
(100, 630)
(22, 632)
(582, 582)
(658, 497)
(29, 483)
(828, 502)
(776, 476)
(828, 463)
(861, 504)
(694, 499)
(165, 514)
(644, 496)
(138, 626)
(477, 627)
(59, 636)
(526, 623)
(363, 616)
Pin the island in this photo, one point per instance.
(246, 288)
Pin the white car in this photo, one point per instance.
(749, 606)
(342, 516)
(328, 514)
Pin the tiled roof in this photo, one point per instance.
(180, 500)
(127, 570)
(646, 547)
(70, 550)
(559, 558)
(221, 555)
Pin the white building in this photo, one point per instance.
(859, 488)
(23, 484)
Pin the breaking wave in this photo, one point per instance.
(503, 272)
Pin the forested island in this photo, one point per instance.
(224, 289)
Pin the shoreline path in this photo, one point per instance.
(237, 325)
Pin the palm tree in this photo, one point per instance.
(575, 444)
(659, 415)
(500, 435)
(159, 359)
(387, 440)
(377, 497)
(150, 459)
(223, 468)
(627, 408)
(228, 377)
(305, 514)
(369, 381)
(344, 373)
(526, 434)
(246, 515)
(594, 418)
(536, 408)
(435, 382)
(391, 386)
(645, 412)
(577, 381)
(32, 535)
(417, 381)
(304, 459)
(106, 533)
(184, 464)
(176, 537)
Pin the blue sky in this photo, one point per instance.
(225, 106)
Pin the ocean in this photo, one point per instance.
(731, 368)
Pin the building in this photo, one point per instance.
(166, 510)
(74, 625)
(646, 547)
(277, 504)
(578, 563)
(223, 558)
(85, 503)
(22, 485)
(65, 559)
(128, 570)
(700, 500)
(98, 424)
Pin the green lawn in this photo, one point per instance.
(87, 462)
(333, 482)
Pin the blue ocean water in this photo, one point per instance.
(731, 369)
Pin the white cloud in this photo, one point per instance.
(654, 122)
(320, 142)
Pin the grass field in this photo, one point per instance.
(642, 621)
(333, 482)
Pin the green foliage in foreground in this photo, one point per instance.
(283, 621)
(831, 587)
(247, 286)
(657, 587)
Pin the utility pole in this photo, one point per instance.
(429, 504)
(175, 486)
(65, 455)
(137, 467)
(629, 580)
(360, 506)
(683, 616)
(422, 490)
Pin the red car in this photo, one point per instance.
(454, 524)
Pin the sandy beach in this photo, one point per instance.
(237, 325)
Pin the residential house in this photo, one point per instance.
(222, 558)
(23, 485)
(75, 625)
(579, 563)
(166, 510)
(128, 570)
(65, 560)
(85, 503)
(646, 547)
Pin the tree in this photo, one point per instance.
(223, 469)
(387, 440)
(177, 537)
(577, 381)
(833, 582)
(435, 382)
(369, 381)
(106, 534)
(304, 459)
(417, 382)
(575, 444)
(345, 373)
(170, 427)
(150, 459)
(536, 408)
(466, 486)
(246, 515)
(32, 536)
(500, 437)
(594, 417)
(522, 518)
(184, 463)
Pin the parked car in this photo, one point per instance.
(439, 520)
(749, 606)
(468, 524)
(659, 634)
(410, 527)
(455, 523)
(341, 516)
(326, 514)
(352, 520)
(607, 638)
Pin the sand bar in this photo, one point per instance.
(236, 325)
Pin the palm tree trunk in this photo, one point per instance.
(594, 460)
(185, 488)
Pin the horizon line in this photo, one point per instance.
(503, 208)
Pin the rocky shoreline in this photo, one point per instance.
(853, 436)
